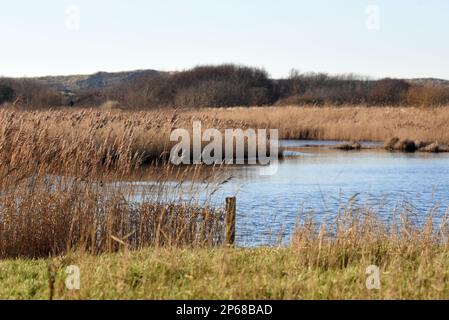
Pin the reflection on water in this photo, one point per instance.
(319, 181)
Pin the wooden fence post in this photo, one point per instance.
(230, 220)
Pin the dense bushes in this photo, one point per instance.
(388, 92)
(429, 96)
(6, 93)
(222, 86)
(319, 88)
(204, 86)
(231, 85)
(29, 93)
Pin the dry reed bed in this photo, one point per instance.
(55, 166)
(88, 141)
(344, 122)
(42, 216)
(85, 142)
(82, 142)
(362, 235)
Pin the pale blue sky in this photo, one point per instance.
(410, 40)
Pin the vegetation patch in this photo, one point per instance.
(348, 146)
(407, 145)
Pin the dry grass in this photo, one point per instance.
(344, 122)
(85, 142)
(322, 262)
(91, 142)
(48, 216)
(57, 189)
(82, 142)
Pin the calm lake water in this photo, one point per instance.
(319, 180)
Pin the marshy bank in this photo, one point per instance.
(101, 147)
(114, 140)
(396, 144)
(97, 147)
(318, 264)
(42, 216)
(84, 142)
(407, 145)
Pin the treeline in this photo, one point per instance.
(232, 85)
(319, 88)
(28, 93)
(212, 86)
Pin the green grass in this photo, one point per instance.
(264, 273)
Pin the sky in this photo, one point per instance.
(401, 38)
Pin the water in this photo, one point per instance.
(319, 181)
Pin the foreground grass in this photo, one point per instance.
(265, 273)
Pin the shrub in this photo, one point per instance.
(32, 93)
(388, 91)
(203, 86)
(429, 96)
(6, 93)
(320, 88)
